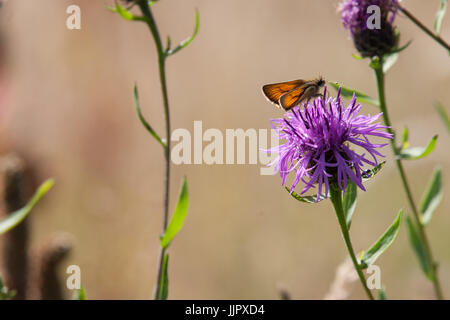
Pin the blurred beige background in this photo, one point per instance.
(68, 107)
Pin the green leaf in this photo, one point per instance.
(186, 42)
(142, 119)
(348, 93)
(370, 173)
(18, 216)
(405, 139)
(178, 216)
(432, 197)
(371, 255)
(419, 248)
(349, 203)
(440, 16)
(397, 50)
(382, 294)
(418, 152)
(124, 13)
(79, 294)
(164, 285)
(168, 43)
(389, 60)
(357, 57)
(444, 116)
(305, 199)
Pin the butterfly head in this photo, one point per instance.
(320, 81)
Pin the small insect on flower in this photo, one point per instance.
(291, 93)
(319, 140)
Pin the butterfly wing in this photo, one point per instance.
(292, 98)
(275, 91)
(297, 95)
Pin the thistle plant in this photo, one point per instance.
(320, 139)
(169, 229)
(377, 45)
(318, 144)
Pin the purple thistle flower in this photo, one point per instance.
(370, 42)
(318, 140)
(354, 13)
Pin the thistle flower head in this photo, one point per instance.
(319, 140)
(370, 40)
(354, 14)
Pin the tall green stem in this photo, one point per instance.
(146, 11)
(382, 98)
(336, 199)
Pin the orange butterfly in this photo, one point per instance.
(291, 93)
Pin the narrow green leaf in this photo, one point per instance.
(397, 50)
(79, 294)
(186, 42)
(305, 199)
(124, 13)
(178, 216)
(405, 139)
(444, 116)
(348, 93)
(371, 255)
(389, 60)
(382, 294)
(16, 217)
(164, 285)
(370, 173)
(432, 197)
(440, 17)
(142, 119)
(418, 152)
(349, 203)
(419, 248)
(169, 44)
(357, 57)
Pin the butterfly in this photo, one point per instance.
(291, 93)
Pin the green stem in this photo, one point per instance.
(417, 22)
(147, 13)
(336, 199)
(382, 98)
